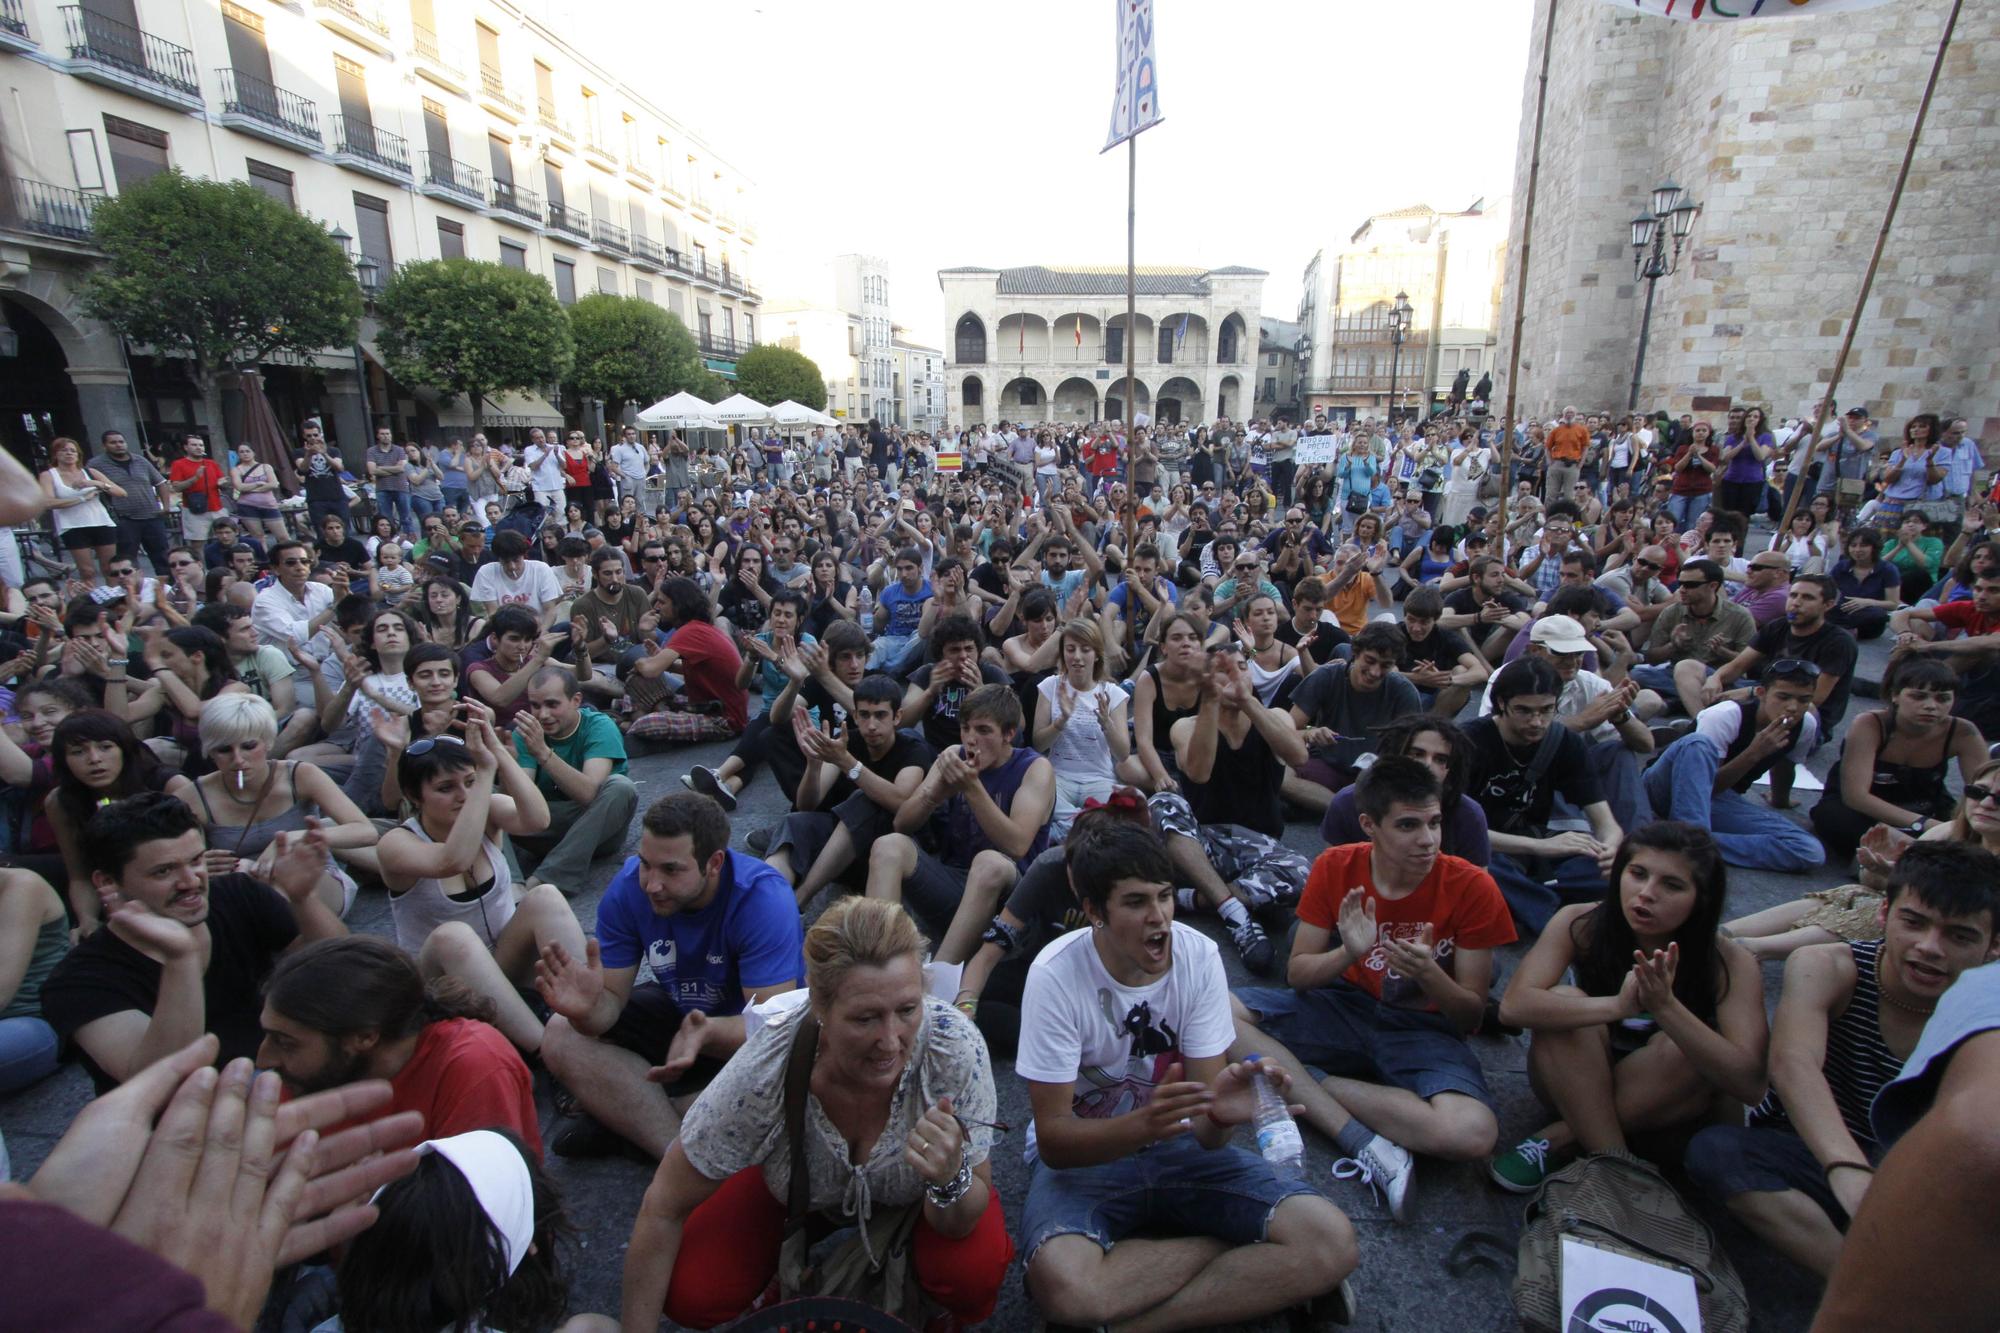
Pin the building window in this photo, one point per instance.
(607, 281)
(274, 181)
(513, 255)
(566, 281)
(1270, 394)
(371, 226)
(749, 327)
(1270, 358)
(642, 289)
(864, 404)
(729, 324)
(1167, 344)
(500, 159)
(451, 239)
(138, 152)
(1114, 345)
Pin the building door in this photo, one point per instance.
(352, 87)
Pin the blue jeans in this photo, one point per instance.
(455, 498)
(423, 508)
(396, 504)
(897, 654)
(1657, 677)
(1533, 899)
(28, 1049)
(1681, 785)
(1687, 508)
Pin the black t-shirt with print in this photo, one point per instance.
(1499, 778)
(906, 751)
(1044, 903)
(1467, 601)
(941, 722)
(1830, 648)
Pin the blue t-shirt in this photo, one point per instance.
(1063, 587)
(747, 938)
(771, 677)
(906, 609)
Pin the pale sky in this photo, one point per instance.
(967, 132)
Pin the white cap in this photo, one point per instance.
(1560, 634)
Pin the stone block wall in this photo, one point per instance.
(1789, 134)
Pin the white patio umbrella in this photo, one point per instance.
(683, 411)
(740, 410)
(794, 415)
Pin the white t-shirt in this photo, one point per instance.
(1578, 693)
(546, 469)
(1080, 750)
(1114, 1043)
(1721, 723)
(536, 588)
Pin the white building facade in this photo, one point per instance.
(1045, 343)
(920, 385)
(422, 129)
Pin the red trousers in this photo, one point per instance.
(729, 1254)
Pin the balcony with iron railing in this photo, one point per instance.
(361, 146)
(611, 236)
(512, 203)
(558, 128)
(648, 253)
(118, 55)
(493, 95)
(256, 106)
(442, 64)
(447, 178)
(572, 222)
(637, 171)
(31, 208)
(594, 147)
(716, 344)
(359, 20)
(14, 34)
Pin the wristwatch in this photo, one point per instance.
(854, 774)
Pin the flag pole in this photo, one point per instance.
(1131, 402)
(1868, 280)
(1521, 281)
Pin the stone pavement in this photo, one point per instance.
(1403, 1283)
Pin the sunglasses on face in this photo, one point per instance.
(1979, 794)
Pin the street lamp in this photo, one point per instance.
(1399, 323)
(1672, 213)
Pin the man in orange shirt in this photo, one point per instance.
(1389, 971)
(1567, 444)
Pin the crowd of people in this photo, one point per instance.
(1034, 697)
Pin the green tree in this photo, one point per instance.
(770, 374)
(627, 348)
(221, 273)
(468, 327)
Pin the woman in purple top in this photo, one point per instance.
(1740, 488)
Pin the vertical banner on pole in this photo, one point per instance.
(1137, 106)
(1736, 11)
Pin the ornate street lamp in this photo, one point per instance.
(1399, 323)
(1673, 215)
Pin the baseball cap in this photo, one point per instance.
(1560, 634)
(1857, 411)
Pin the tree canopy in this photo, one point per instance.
(771, 374)
(464, 326)
(219, 272)
(629, 349)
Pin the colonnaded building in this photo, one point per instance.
(1788, 135)
(1047, 343)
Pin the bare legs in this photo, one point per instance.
(541, 917)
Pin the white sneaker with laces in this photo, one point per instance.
(1384, 1167)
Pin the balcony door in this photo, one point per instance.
(250, 58)
(352, 87)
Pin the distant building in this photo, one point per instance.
(920, 392)
(1047, 343)
(832, 340)
(842, 322)
(1277, 369)
(1449, 267)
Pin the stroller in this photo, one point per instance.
(525, 518)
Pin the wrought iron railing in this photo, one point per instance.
(649, 251)
(448, 173)
(13, 17)
(427, 46)
(507, 197)
(495, 87)
(571, 220)
(611, 234)
(106, 41)
(247, 95)
(47, 210)
(360, 138)
(357, 11)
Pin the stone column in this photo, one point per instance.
(105, 398)
(347, 424)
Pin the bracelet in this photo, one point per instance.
(1832, 1167)
(949, 1193)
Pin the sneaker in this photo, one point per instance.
(758, 840)
(1523, 1168)
(1330, 1309)
(1666, 733)
(1384, 1167)
(1253, 946)
(702, 778)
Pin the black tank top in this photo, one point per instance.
(1164, 718)
(1242, 788)
(1919, 787)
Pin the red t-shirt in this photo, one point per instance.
(1103, 460)
(503, 714)
(709, 663)
(1965, 616)
(1459, 901)
(465, 1076)
(210, 473)
(576, 470)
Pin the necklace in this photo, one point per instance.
(1893, 1002)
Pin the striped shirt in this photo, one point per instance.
(1858, 1063)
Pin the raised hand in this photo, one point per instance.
(1412, 958)
(1358, 930)
(295, 862)
(936, 1144)
(690, 1039)
(1175, 1103)
(391, 729)
(1653, 977)
(568, 986)
(528, 730)
(160, 938)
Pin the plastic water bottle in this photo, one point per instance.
(1277, 1134)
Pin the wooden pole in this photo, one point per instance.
(1868, 279)
(1521, 278)
(1131, 401)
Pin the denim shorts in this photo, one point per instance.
(1724, 1161)
(1174, 1187)
(1346, 1032)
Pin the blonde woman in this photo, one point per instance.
(1080, 724)
(83, 525)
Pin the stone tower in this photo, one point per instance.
(1789, 134)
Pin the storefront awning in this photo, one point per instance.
(502, 410)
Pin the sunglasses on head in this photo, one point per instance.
(429, 743)
(1793, 666)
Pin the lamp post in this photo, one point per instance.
(1399, 323)
(1672, 212)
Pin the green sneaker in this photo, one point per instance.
(1522, 1169)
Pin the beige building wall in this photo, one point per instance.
(1789, 135)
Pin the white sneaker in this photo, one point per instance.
(1384, 1167)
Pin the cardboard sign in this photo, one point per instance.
(1607, 1292)
(1314, 450)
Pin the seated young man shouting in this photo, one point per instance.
(985, 808)
(1389, 973)
(1140, 1210)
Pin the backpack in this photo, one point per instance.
(1623, 1204)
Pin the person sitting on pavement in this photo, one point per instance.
(1140, 1208)
(183, 951)
(452, 897)
(858, 774)
(1441, 663)
(343, 1011)
(1848, 1016)
(520, 650)
(1522, 759)
(1388, 974)
(1338, 707)
(686, 690)
(512, 579)
(719, 930)
(899, 609)
(764, 661)
(1441, 747)
(1805, 634)
(607, 622)
(1766, 587)
(885, 1067)
(576, 759)
(1663, 1023)
(1080, 723)
(937, 690)
(986, 803)
(1702, 626)
(34, 936)
(1493, 607)
(1953, 629)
